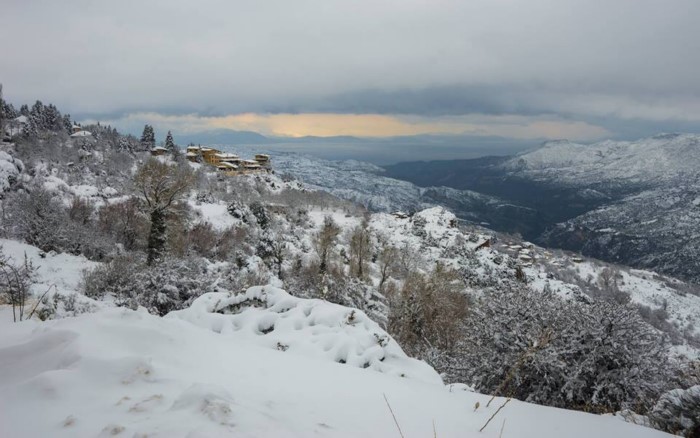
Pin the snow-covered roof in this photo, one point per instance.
(191, 154)
(82, 134)
(157, 148)
(226, 156)
(21, 119)
(226, 165)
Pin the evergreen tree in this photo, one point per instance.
(24, 110)
(67, 124)
(169, 143)
(148, 138)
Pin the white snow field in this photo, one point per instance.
(119, 372)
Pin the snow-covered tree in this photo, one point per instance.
(160, 186)
(170, 143)
(148, 138)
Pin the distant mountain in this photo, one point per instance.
(632, 202)
(223, 136)
(365, 184)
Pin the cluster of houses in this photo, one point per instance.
(226, 163)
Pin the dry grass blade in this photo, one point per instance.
(392, 414)
(494, 414)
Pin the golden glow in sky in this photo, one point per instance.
(377, 125)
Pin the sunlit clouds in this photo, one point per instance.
(368, 125)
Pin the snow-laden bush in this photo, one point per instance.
(598, 357)
(10, 168)
(678, 412)
(170, 285)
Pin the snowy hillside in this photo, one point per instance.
(364, 184)
(661, 158)
(167, 377)
(652, 216)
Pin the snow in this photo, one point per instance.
(62, 271)
(342, 219)
(214, 213)
(270, 317)
(120, 372)
(81, 134)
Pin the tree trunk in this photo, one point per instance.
(156, 238)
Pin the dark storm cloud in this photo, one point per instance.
(619, 62)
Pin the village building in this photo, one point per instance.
(228, 168)
(81, 134)
(15, 126)
(158, 151)
(263, 160)
(228, 163)
(209, 155)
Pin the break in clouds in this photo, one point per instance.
(537, 69)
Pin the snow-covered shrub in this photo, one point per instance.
(678, 412)
(426, 315)
(597, 357)
(10, 168)
(125, 223)
(40, 219)
(262, 216)
(110, 278)
(169, 285)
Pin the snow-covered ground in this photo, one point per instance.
(127, 373)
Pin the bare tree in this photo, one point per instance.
(360, 245)
(15, 282)
(160, 185)
(325, 239)
(386, 261)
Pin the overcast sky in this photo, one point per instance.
(534, 69)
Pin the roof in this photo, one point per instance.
(82, 134)
(191, 154)
(262, 156)
(21, 119)
(157, 148)
(225, 155)
(226, 165)
(193, 148)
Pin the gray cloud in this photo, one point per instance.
(613, 62)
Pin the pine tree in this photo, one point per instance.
(169, 143)
(148, 138)
(67, 124)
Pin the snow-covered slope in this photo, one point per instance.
(126, 373)
(270, 317)
(364, 184)
(664, 157)
(652, 216)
